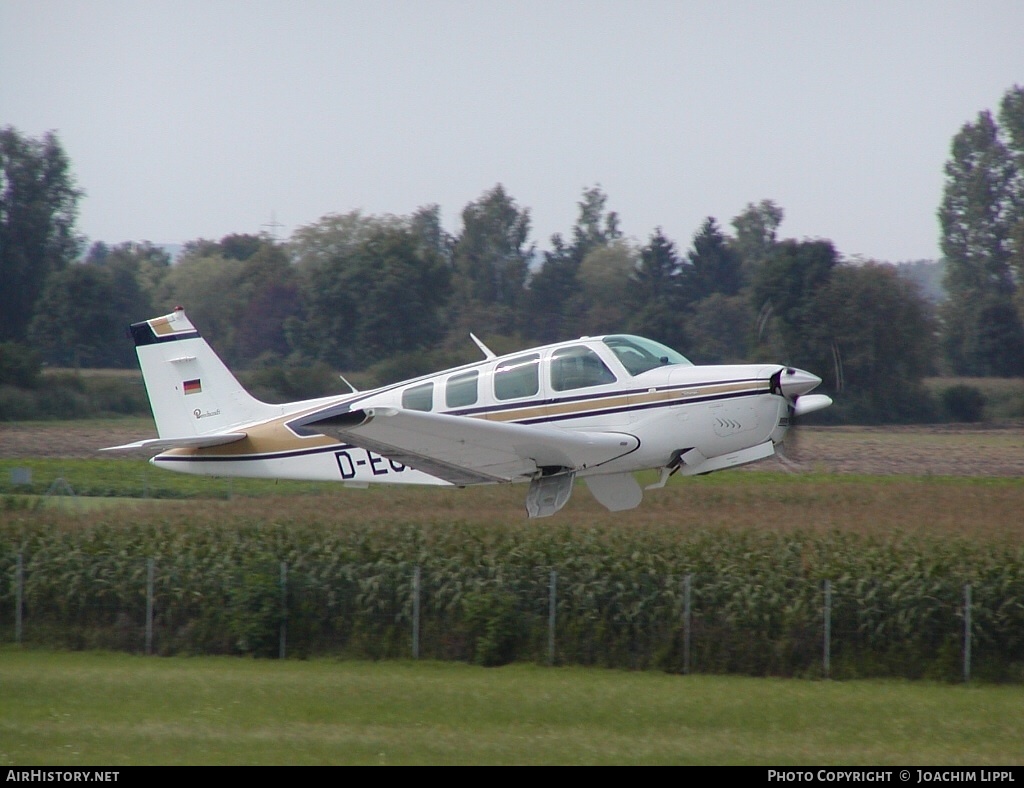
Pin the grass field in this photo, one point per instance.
(116, 710)
(960, 484)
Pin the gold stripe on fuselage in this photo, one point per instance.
(274, 437)
(621, 401)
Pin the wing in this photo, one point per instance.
(464, 450)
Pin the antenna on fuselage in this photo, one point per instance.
(488, 353)
(345, 381)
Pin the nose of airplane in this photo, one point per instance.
(796, 382)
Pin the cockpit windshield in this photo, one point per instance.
(639, 355)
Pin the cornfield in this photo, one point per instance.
(244, 580)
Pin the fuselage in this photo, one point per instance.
(615, 383)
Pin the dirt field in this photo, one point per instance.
(947, 450)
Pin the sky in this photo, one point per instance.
(188, 119)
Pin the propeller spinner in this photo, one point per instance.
(795, 385)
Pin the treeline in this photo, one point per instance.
(386, 297)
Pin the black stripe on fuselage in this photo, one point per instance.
(628, 408)
(550, 401)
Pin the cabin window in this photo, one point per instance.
(460, 390)
(419, 397)
(578, 367)
(639, 355)
(517, 377)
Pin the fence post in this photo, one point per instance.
(416, 613)
(149, 606)
(687, 611)
(19, 590)
(967, 632)
(552, 588)
(826, 664)
(281, 650)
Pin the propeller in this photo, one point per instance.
(795, 385)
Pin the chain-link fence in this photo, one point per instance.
(687, 623)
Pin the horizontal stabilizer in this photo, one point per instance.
(192, 442)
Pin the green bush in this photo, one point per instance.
(117, 395)
(63, 394)
(963, 403)
(276, 382)
(19, 365)
(17, 404)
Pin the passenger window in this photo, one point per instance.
(517, 377)
(578, 368)
(460, 390)
(419, 397)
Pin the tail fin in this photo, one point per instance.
(191, 391)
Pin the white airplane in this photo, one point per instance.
(594, 408)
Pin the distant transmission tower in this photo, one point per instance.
(274, 225)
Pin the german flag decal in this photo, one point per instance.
(192, 386)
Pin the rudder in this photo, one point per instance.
(191, 391)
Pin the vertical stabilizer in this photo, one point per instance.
(190, 389)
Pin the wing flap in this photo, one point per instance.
(465, 450)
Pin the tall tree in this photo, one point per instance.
(989, 338)
(371, 287)
(241, 246)
(1011, 118)
(783, 293)
(332, 236)
(978, 209)
(594, 226)
(139, 268)
(321, 252)
(81, 317)
(604, 277)
(875, 332)
(555, 305)
(553, 296)
(401, 292)
(714, 266)
(981, 213)
(38, 207)
(271, 292)
(492, 259)
(756, 230)
(433, 240)
(656, 292)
